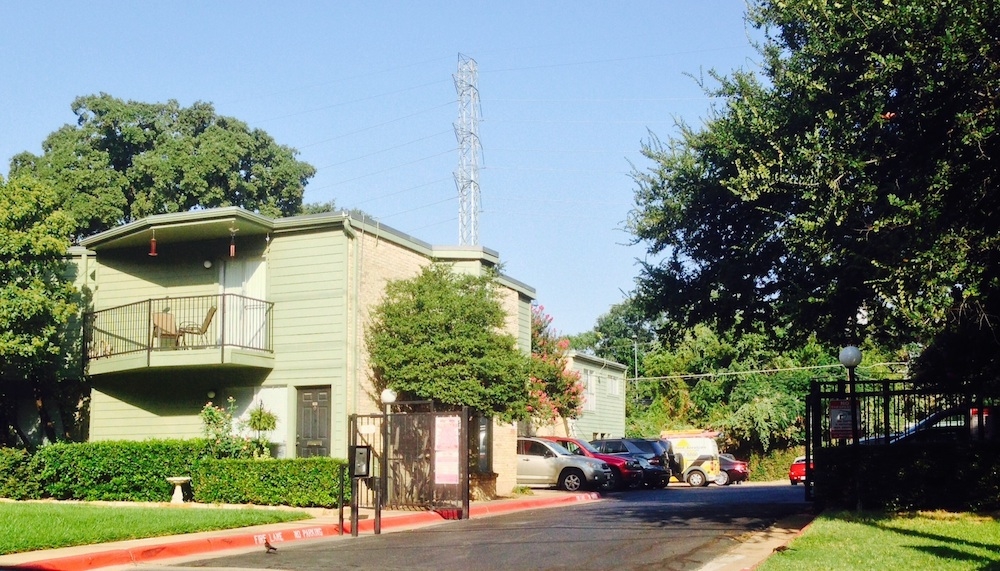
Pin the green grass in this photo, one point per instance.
(925, 540)
(33, 526)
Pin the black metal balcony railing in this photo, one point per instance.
(224, 320)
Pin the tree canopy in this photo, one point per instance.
(124, 160)
(36, 303)
(847, 189)
(439, 336)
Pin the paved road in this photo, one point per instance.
(679, 528)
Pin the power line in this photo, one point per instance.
(758, 371)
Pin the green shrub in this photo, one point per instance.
(773, 464)
(299, 482)
(957, 476)
(17, 481)
(114, 470)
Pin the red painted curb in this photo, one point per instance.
(237, 540)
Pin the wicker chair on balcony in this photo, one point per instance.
(198, 330)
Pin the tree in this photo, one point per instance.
(127, 160)
(554, 390)
(439, 336)
(622, 335)
(36, 305)
(849, 192)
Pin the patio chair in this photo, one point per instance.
(199, 330)
(165, 332)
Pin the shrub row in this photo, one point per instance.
(300, 482)
(958, 476)
(137, 472)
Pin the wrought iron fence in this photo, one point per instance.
(889, 410)
(179, 322)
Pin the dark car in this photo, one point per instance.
(656, 458)
(797, 471)
(732, 470)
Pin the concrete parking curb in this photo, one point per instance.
(157, 549)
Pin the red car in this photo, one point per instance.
(626, 471)
(731, 470)
(797, 471)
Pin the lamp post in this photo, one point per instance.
(387, 397)
(850, 357)
(635, 356)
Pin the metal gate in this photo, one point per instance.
(421, 459)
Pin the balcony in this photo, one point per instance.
(196, 331)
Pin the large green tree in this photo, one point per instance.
(848, 188)
(440, 336)
(36, 305)
(124, 160)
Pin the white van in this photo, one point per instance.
(696, 459)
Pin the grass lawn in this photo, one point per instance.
(31, 526)
(925, 540)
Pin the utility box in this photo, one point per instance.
(361, 461)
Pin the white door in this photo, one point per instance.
(245, 308)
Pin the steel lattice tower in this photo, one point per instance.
(467, 133)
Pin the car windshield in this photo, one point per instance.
(645, 446)
(558, 448)
(586, 446)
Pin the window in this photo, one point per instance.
(480, 443)
(590, 391)
(614, 386)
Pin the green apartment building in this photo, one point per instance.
(196, 307)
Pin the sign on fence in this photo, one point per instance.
(840, 419)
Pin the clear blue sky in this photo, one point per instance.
(364, 91)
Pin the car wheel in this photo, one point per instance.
(571, 480)
(696, 479)
(722, 479)
(793, 482)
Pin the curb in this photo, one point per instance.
(167, 547)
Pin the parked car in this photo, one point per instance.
(637, 448)
(797, 471)
(545, 463)
(626, 472)
(731, 470)
(654, 476)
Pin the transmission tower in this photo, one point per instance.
(467, 133)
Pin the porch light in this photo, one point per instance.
(207, 264)
(152, 244)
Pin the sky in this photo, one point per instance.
(568, 92)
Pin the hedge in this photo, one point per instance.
(136, 471)
(958, 476)
(300, 482)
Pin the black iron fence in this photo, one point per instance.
(867, 415)
(888, 411)
(223, 320)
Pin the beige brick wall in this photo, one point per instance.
(505, 457)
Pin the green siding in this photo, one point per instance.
(307, 282)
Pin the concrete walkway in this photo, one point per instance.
(326, 523)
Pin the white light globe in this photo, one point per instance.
(388, 396)
(850, 357)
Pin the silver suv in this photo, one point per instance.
(546, 463)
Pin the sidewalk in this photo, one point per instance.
(325, 524)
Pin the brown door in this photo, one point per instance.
(313, 436)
